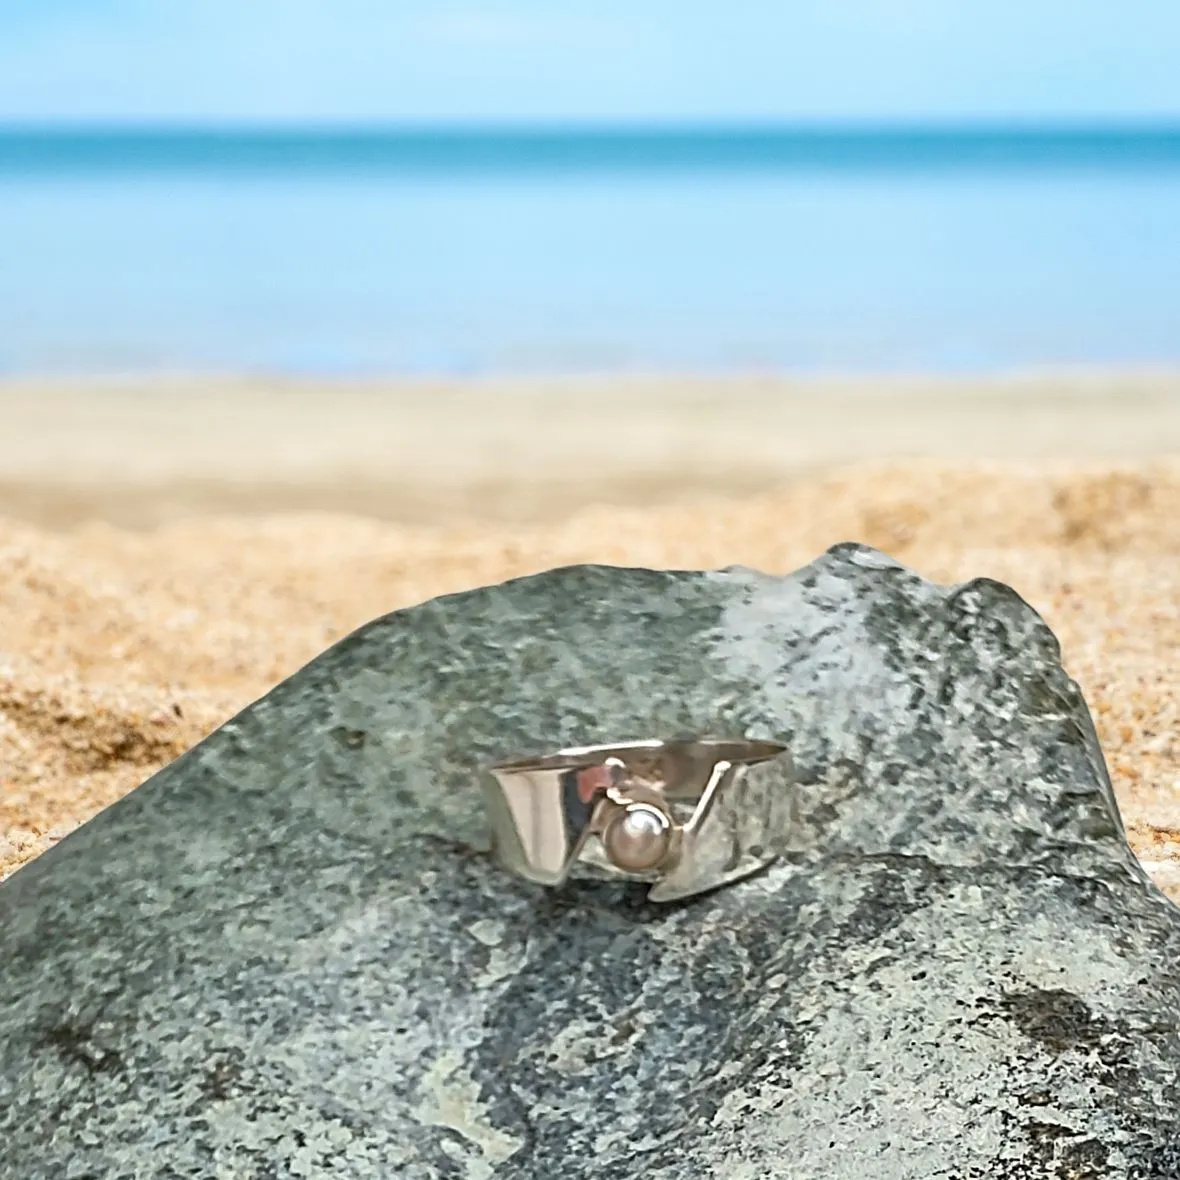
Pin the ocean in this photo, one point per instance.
(458, 251)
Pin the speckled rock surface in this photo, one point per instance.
(288, 954)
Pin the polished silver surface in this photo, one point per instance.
(686, 815)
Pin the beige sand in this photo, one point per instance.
(122, 647)
(144, 453)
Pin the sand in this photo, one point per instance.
(143, 453)
(168, 552)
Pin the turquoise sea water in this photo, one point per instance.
(563, 250)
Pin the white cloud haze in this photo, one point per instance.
(223, 60)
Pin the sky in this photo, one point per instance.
(587, 60)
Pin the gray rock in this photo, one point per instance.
(288, 954)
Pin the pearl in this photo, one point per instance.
(639, 838)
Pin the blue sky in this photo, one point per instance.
(225, 60)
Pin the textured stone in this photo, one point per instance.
(288, 954)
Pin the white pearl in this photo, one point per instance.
(639, 838)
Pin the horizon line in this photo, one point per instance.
(567, 149)
(862, 125)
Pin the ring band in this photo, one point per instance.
(685, 815)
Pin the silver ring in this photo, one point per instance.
(685, 815)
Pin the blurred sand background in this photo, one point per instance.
(171, 549)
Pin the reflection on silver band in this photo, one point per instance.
(685, 815)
